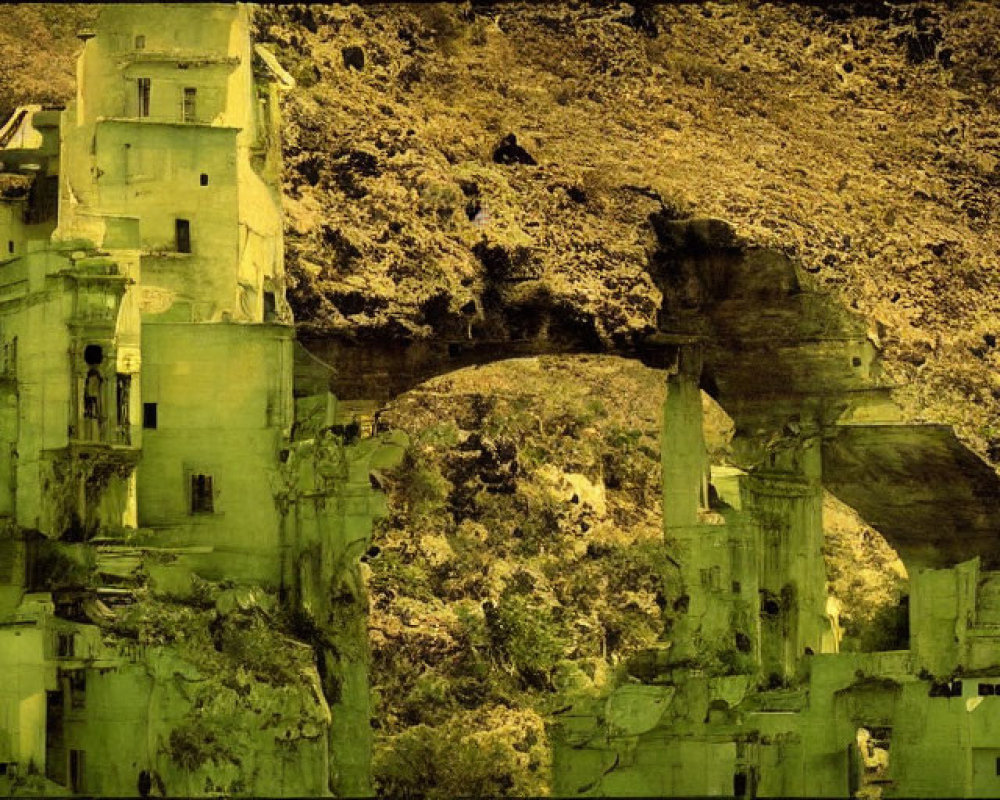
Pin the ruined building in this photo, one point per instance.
(160, 430)
(750, 696)
(148, 406)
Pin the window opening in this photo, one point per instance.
(93, 390)
(123, 395)
(144, 85)
(201, 494)
(76, 761)
(189, 108)
(149, 416)
(203, 180)
(873, 745)
(10, 245)
(770, 607)
(183, 231)
(93, 354)
(78, 688)
(64, 645)
(140, 42)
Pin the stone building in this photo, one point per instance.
(146, 398)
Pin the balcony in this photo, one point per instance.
(185, 59)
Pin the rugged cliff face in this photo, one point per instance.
(860, 138)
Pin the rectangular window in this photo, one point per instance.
(143, 98)
(76, 759)
(140, 42)
(149, 416)
(998, 766)
(64, 645)
(182, 229)
(77, 688)
(986, 689)
(188, 106)
(203, 180)
(10, 246)
(201, 494)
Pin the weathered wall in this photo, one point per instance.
(188, 370)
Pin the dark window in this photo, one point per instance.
(956, 688)
(143, 98)
(64, 645)
(770, 608)
(201, 494)
(10, 246)
(189, 109)
(3, 768)
(182, 228)
(93, 354)
(77, 688)
(986, 689)
(998, 766)
(203, 180)
(856, 361)
(740, 784)
(736, 587)
(140, 42)
(76, 759)
(270, 306)
(149, 416)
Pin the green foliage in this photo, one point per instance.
(198, 740)
(396, 573)
(471, 755)
(251, 643)
(525, 637)
(423, 486)
(631, 460)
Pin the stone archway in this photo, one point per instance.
(801, 381)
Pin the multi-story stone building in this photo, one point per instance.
(146, 400)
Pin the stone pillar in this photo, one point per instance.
(784, 499)
(683, 457)
(684, 461)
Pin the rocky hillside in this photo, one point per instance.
(38, 48)
(860, 137)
